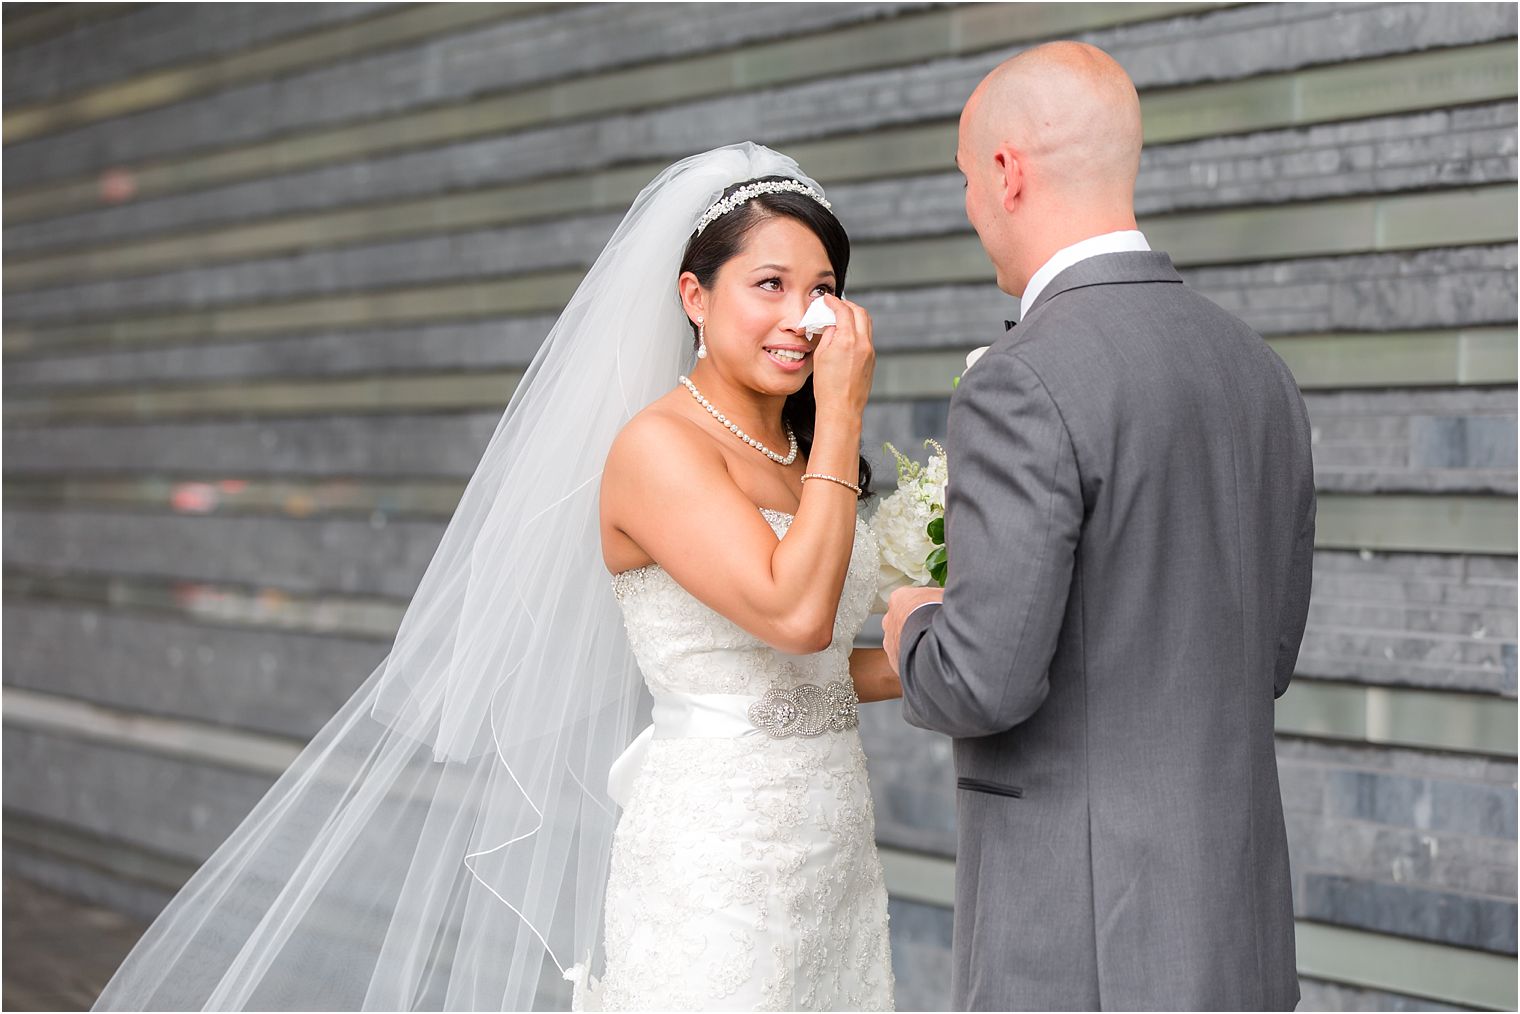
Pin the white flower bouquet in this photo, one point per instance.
(910, 525)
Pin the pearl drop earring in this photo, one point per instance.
(701, 339)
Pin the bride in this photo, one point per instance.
(744, 871)
(480, 821)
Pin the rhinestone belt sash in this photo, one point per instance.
(807, 710)
(803, 710)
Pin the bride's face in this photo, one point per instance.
(757, 299)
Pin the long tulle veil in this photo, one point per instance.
(443, 841)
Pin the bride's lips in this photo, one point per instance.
(789, 365)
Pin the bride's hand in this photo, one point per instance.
(844, 361)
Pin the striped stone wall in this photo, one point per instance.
(272, 271)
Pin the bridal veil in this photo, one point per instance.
(443, 842)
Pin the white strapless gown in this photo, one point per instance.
(744, 869)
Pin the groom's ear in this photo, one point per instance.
(1011, 171)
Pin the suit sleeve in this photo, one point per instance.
(1295, 607)
(978, 664)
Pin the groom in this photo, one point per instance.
(1130, 530)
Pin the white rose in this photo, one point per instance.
(975, 354)
(899, 523)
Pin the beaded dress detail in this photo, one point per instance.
(744, 871)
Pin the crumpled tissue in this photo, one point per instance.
(817, 317)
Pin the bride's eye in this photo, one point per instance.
(824, 288)
(769, 280)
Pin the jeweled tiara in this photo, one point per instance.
(750, 190)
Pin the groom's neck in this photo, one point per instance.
(1060, 229)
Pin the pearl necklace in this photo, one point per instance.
(736, 431)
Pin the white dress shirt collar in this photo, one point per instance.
(1110, 242)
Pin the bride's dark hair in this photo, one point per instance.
(722, 240)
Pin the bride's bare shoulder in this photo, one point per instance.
(661, 446)
(656, 463)
(661, 429)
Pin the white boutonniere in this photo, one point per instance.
(971, 358)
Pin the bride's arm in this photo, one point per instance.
(678, 502)
(873, 676)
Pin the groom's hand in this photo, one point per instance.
(903, 602)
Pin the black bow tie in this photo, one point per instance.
(1009, 325)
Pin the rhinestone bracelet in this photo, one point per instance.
(820, 475)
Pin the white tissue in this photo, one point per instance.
(818, 317)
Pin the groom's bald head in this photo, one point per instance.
(1068, 108)
(1050, 147)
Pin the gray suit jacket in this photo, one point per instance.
(1130, 530)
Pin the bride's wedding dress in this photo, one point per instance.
(744, 869)
(448, 839)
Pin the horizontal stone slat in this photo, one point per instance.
(355, 616)
(1336, 159)
(1454, 795)
(419, 446)
(1459, 452)
(25, 27)
(318, 45)
(89, 56)
(1414, 621)
(1388, 441)
(329, 555)
(1367, 292)
(1418, 790)
(1429, 860)
(292, 498)
(1212, 174)
(132, 881)
(1376, 443)
(668, 60)
(1419, 619)
(1438, 358)
(278, 682)
(100, 788)
(1382, 441)
(1471, 723)
(1253, 37)
(1361, 293)
(1358, 958)
(531, 293)
(1401, 359)
(489, 343)
(386, 393)
(1382, 522)
(1319, 994)
(485, 59)
(1414, 440)
(1486, 924)
(437, 257)
(1352, 225)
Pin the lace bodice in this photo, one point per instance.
(744, 871)
(683, 646)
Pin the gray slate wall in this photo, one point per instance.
(271, 272)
